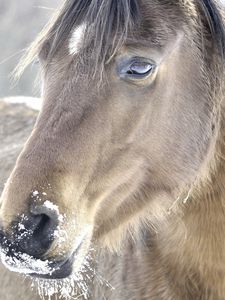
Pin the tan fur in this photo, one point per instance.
(140, 164)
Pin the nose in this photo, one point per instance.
(34, 234)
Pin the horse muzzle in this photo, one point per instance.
(25, 245)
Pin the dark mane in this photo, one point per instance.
(215, 24)
(105, 19)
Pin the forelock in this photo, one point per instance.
(105, 20)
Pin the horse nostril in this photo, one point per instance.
(43, 231)
(35, 233)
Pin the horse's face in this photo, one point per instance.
(103, 157)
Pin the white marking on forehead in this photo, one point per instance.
(76, 38)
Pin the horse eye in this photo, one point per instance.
(140, 68)
(136, 68)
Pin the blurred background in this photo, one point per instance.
(21, 21)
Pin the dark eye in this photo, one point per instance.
(136, 68)
(140, 68)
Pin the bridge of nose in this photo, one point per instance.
(28, 184)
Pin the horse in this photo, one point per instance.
(120, 190)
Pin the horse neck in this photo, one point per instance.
(200, 240)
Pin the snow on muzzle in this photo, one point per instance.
(25, 248)
(25, 244)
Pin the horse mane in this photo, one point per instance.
(215, 24)
(106, 19)
(109, 19)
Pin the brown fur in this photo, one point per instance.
(143, 162)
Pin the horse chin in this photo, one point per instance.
(60, 270)
(48, 268)
(54, 267)
(64, 268)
